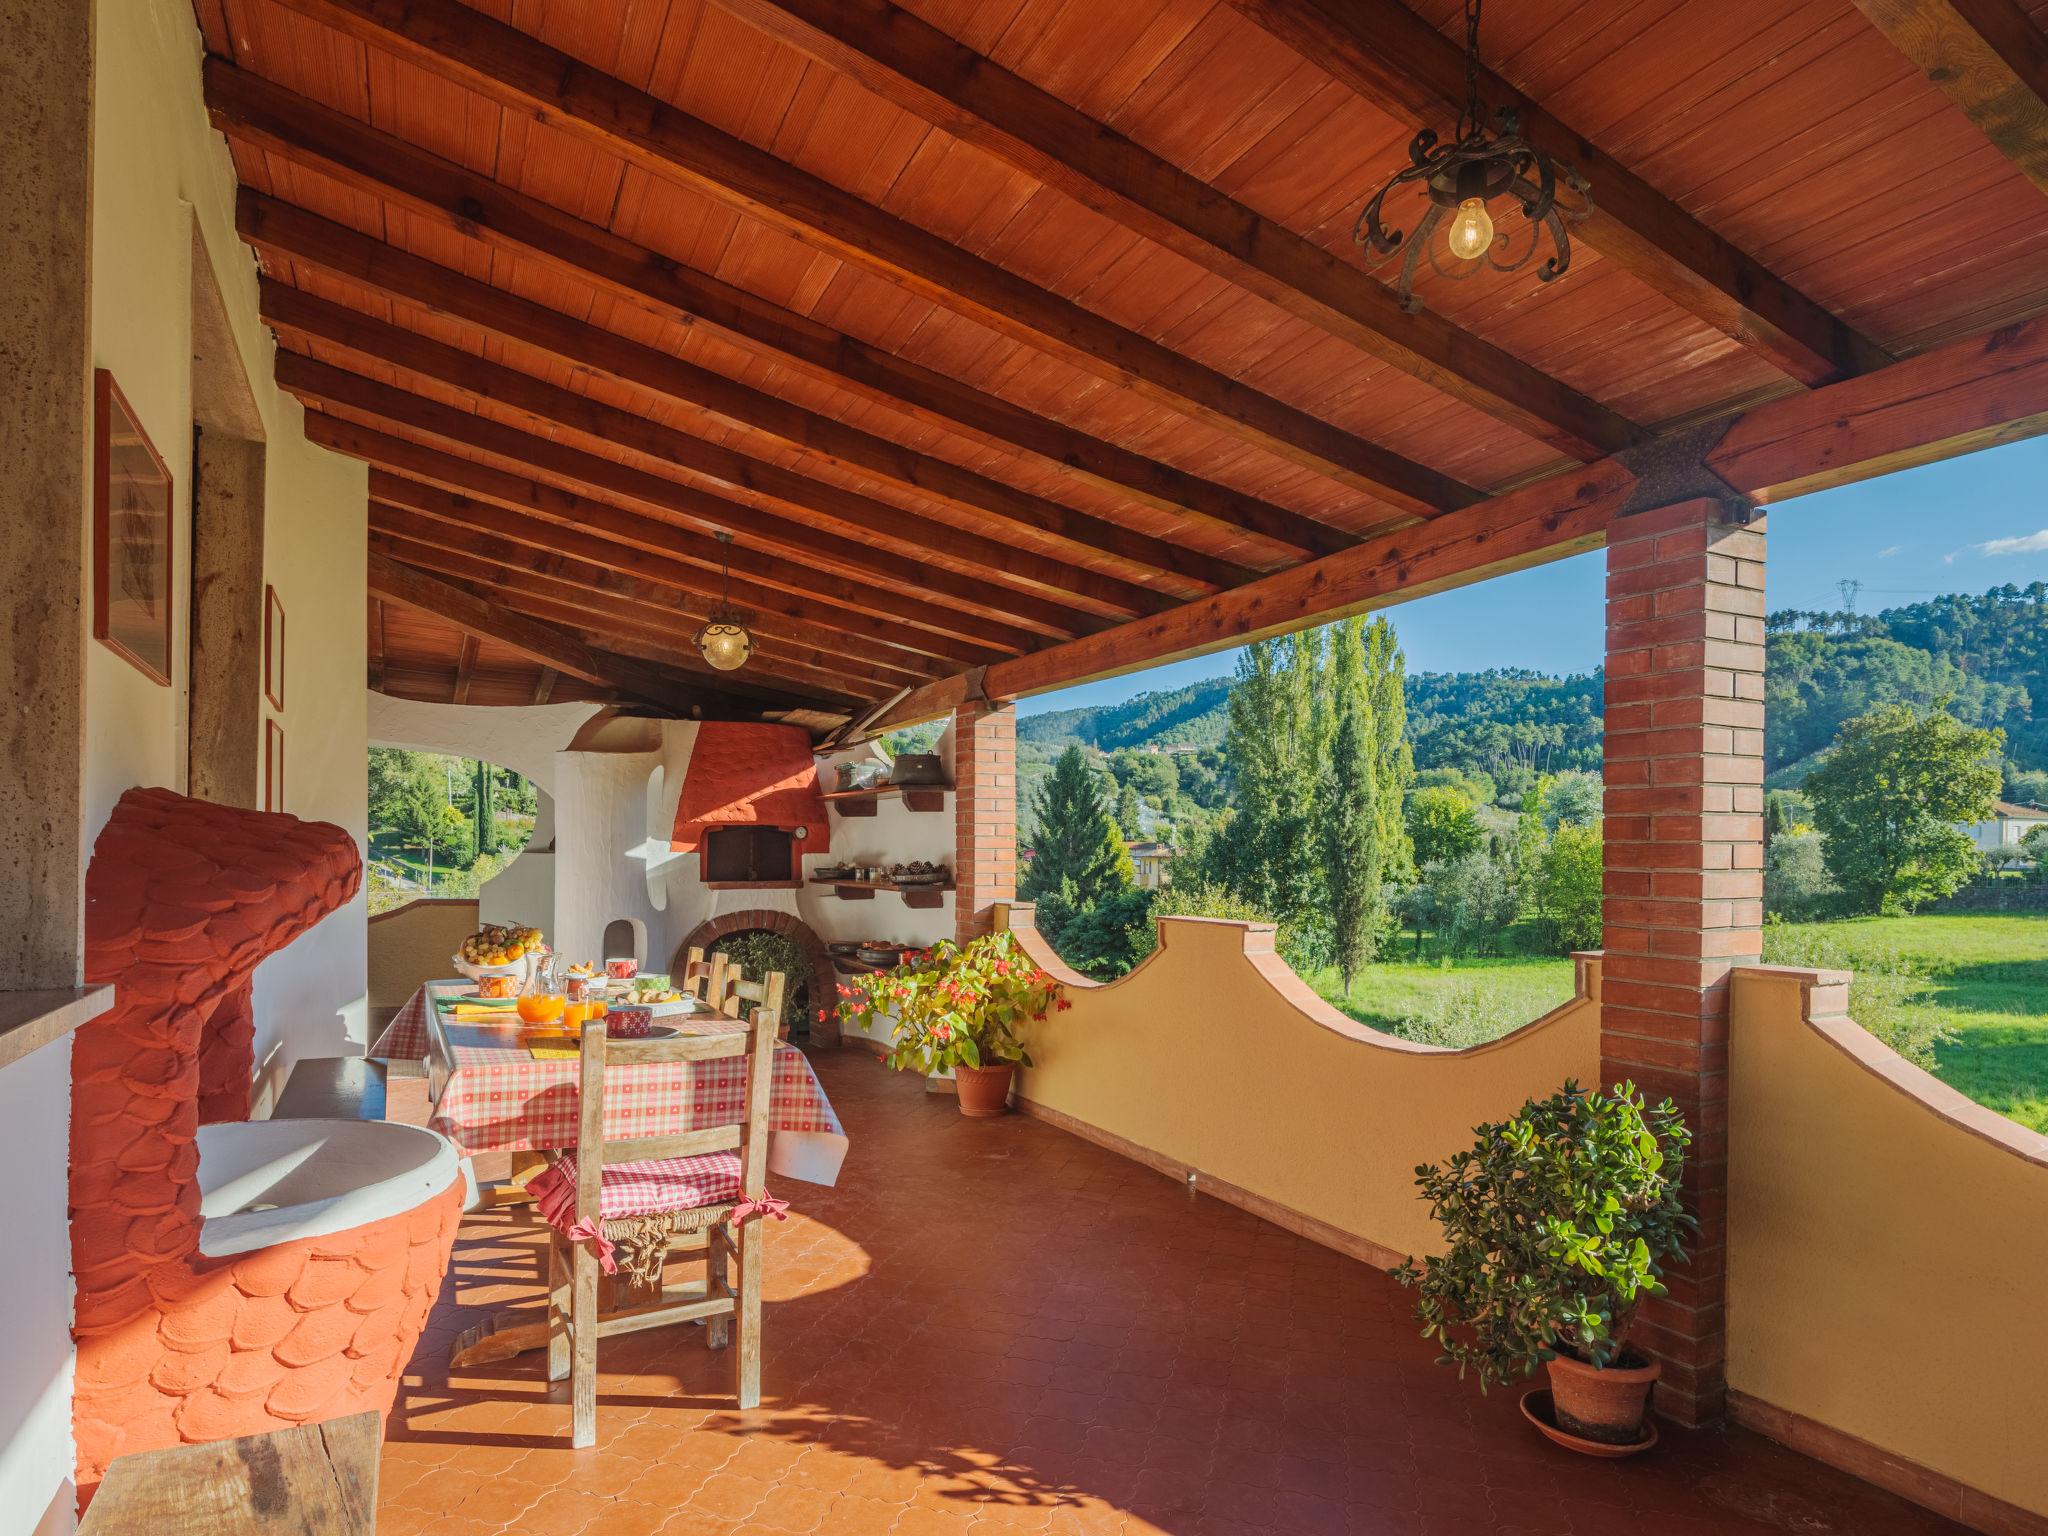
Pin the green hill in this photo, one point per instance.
(1193, 716)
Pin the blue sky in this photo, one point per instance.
(1963, 525)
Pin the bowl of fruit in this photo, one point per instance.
(500, 950)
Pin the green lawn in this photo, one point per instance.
(1987, 981)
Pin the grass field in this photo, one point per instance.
(1987, 981)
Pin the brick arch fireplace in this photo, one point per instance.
(824, 977)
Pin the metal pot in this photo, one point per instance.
(918, 768)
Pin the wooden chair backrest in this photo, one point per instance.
(702, 979)
(749, 1133)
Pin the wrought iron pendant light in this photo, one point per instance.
(1459, 181)
(724, 640)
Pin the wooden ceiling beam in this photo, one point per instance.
(544, 643)
(905, 60)
(986, 613)
(1989, 58)
(518, 71)
(876, 615)
(465, 668)
(598, 616)
(376, 642)
(697, 589)
(1394, 59)
(266, 116)
(908, 533)
(543, 685)
(1978, 393)
(679, 611)
(279, 229)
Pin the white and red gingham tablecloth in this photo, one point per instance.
(491, 1095)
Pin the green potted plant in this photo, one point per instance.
(1558, 1223)
(958, 1006)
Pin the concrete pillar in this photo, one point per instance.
(45, 423)
(984, 816)
(1684, 877)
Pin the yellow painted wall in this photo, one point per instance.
(411, 946)
(1887, 1244)
(1213, 1054)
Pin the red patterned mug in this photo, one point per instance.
(626, 1022)
(622, 970)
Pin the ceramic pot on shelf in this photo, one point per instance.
(984, 1091)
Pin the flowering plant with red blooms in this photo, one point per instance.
(955, 1006)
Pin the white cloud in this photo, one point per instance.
(1886, 554)
(1950, 558)
(2025, 545)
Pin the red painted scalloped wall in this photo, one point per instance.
(183, 900)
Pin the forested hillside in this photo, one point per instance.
(1987, 654)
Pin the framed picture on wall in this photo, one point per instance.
(273, 766)
(131, 535)
(273, 648)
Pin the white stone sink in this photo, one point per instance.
(270, 1181)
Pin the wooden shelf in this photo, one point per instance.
(865, 802)
(864, 890)
(847, 965)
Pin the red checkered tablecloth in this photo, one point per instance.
(493, 1095)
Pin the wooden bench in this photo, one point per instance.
(310, 1480)
(332, 1088)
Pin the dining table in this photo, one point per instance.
(491, 1092)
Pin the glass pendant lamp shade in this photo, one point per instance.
(724, 641)
(725, 646)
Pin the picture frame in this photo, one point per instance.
(273, 648)
(273, 766)
(132, 593)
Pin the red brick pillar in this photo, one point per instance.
(984, 815)
(1684, 872)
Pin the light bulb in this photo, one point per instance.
(725, 646)
(1471, 231)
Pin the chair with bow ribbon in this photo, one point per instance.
(627, 1207)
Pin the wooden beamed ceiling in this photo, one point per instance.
(1010, 337)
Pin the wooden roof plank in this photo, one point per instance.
(473, 615)
(455, 42)
(270, 225)
(876, 614)
(919, 68)
(1405, 67)
(993, 614)
(1989, 58)
(454, 522)
(258, 112)
(465, 669)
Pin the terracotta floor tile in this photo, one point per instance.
(993, 1326)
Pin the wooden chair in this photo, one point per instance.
(693, 1216)
(701, 978)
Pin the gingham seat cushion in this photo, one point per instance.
(638, 1189)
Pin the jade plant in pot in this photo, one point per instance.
(1558, 1222)
(958, 1006)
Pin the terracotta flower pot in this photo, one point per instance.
(984, 1091)
(1605, 1406)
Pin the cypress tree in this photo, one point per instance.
(1351, 836)
(1076, 840)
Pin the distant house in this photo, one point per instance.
(1150, 861)
(2008, 824)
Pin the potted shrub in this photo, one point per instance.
(959, 1007)
(1558, 1222)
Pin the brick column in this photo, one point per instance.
(1684, 875)
(984, 815)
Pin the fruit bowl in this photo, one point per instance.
(520, 967)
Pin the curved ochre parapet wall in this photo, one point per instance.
(1213, 1057)
(183, 900)
(1887, 1256)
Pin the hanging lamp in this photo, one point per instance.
(724, 640)
(1471, 185)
